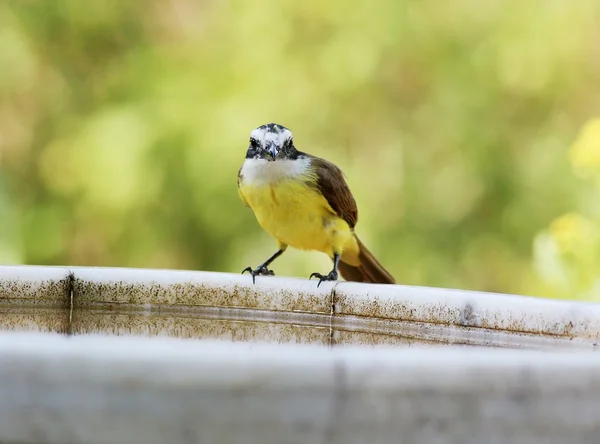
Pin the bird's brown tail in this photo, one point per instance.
(369, 270)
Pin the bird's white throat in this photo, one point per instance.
(262, 171)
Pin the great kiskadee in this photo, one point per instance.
(303, 201)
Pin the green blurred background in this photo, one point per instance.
(466, 130)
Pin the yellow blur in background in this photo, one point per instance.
(468, 131)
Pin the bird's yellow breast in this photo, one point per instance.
(292, 210)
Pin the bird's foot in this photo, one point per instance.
(260, 270)
(332, 276)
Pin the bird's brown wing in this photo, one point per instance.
(333, 186)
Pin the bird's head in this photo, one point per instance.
(271, 142)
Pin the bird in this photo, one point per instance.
(303, 201)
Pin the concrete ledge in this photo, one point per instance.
(469, 309)
(95, 287)
(39, 286)
(482, 314)
(422, 313)
(87, 389)
(228, 306)
(35, 298)
(126, 390)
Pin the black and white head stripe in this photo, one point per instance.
(271, 132)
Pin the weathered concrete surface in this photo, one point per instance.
(223, 306)
(95, 287)
(196, 325)
(82, 389)
(470, 311)
(360, 311)
(35, 298)
(38, 318)
(47, 286)
(57, 389)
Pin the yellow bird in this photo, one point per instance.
(303, 201)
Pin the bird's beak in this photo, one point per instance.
(273, 150)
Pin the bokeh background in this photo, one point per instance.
(467, 131)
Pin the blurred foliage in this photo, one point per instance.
(123, 125)
(568, 253)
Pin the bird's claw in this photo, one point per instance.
(331, 276)
(261, 270)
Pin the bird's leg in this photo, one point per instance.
(262, 269)
(333, 274)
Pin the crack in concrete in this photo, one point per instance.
(70, 289)
(332, 314)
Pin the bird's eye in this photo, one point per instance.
(253, 143)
